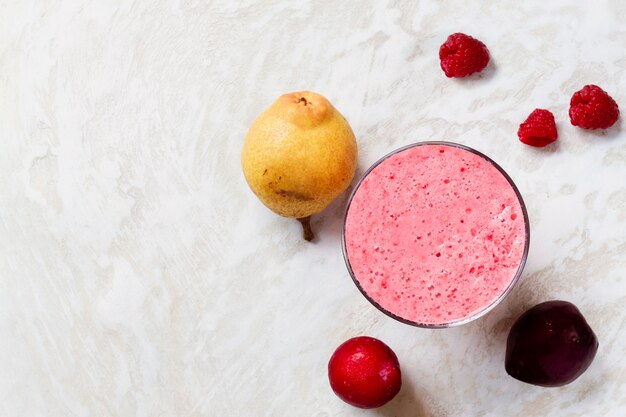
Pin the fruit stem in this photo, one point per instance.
(307, 233)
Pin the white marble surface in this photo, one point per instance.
(140, 276)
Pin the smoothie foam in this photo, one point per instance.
(434, 234)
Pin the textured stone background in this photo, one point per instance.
(140, 277)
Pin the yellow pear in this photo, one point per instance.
(299, 155)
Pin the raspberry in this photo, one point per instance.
(539, 129)
(461, 55)
(364, 372)
(593, 108)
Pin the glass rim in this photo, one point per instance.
(478, 313)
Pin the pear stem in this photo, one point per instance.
(307, 233)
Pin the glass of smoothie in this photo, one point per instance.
(435, 234)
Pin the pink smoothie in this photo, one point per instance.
(435, 234)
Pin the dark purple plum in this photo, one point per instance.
(550, 345)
